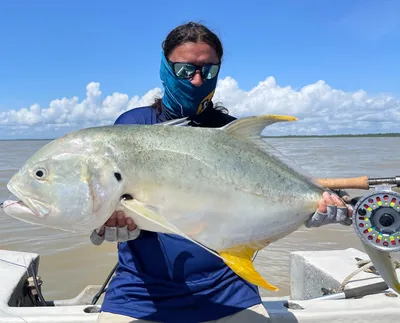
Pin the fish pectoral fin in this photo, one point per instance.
(384, 265)
(239, 259)
(148, 218)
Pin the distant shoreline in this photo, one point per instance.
(285, 136)
(336, 136)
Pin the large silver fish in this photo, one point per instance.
(224, 189)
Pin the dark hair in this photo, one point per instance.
(195, 33)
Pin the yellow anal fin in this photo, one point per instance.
(239, 259)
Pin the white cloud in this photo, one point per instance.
(320, 108)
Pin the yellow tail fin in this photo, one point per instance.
(239, 259)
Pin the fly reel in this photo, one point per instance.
(376, 219)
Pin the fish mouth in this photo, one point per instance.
(24, 205)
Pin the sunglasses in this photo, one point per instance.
(187, 70)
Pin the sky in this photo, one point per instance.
(66, 65)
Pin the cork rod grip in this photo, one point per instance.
(345, 183)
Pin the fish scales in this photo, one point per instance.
(224, 189)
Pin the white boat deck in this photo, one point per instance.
(309, 272)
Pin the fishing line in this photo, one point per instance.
(15, 264)
(254, 256)
(30, 270)
(103, 287)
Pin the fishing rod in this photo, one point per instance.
(376, 215)
(376, 221)
(362, 182)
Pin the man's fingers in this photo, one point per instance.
(120, 219)
(322, 207)
(101, 231)
(346, 198)
(337, 201)
(328, 198)
(112, 221)
(131, 225)
(350, 210)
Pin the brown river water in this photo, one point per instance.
(69, 262)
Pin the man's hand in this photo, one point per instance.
(118, 228)
(331, 209)
(118, 219)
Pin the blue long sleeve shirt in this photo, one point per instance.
(166, 278)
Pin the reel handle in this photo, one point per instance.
(345, 183)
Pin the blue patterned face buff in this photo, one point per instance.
(181, 98)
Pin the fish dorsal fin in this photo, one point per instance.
(249, 129)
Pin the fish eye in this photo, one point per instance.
(40, 173)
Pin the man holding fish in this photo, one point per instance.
(163, 277)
